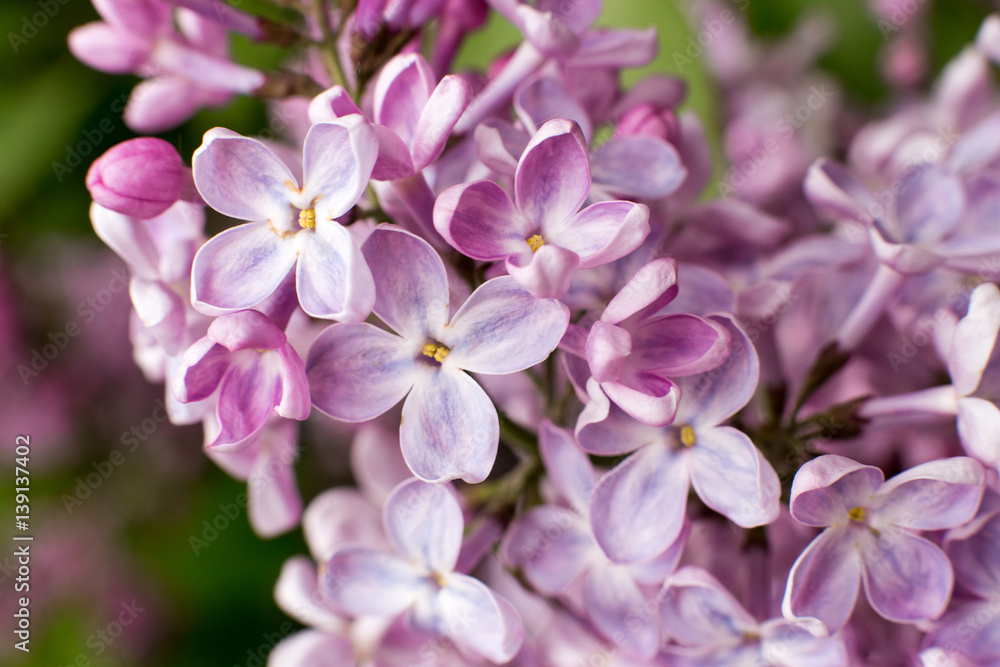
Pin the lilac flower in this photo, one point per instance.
(424, 523)
(189, 69)
(972, 358)
(543, 235)
(638, 509)
(633, 348)
(291, 227)
(256, 372)
(712, 629)
(449, 427)
(140, 177)
(870, 536)
(554, 547)
(413, 114)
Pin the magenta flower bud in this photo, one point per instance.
(141, 177)
(648, 120)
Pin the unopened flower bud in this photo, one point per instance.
(141, 177)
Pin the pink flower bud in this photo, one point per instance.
(647, 119)
(141, 177)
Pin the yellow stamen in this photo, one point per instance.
(687, 436)
(307, 218)
(435, 351)
(439, 578)
(535, 242)
(856, 514)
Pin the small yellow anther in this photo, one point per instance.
(535, 242)
(307, 218)
(687, 436)
(439, 578)
(856, 514)
(435, 351)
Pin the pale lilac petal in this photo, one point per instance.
(480, 220)
(637, 509)
(446, 105)
(831, 187)
(823, 583)
(907, 578)
(732, 477)
(297, 594)
(394, 159)
(553, 176)
(616, 48)
(605, 429)
(241, 177)
(478, 620)
(637, 167)
(974, 338)
(979, 429)
(338, 158)
(332, 103)
(361, 581)
(933, 496)
(502, 329)
(161, 103)
(450, 428)
(246, 330)
(978, 147)
(697, 610)
(546, 98)
(551, 546)
(500, 145)
(602, 232)
(161, 310)
(794, 644)
(678, 345)
(971, 635)
(975, 558)
(241, 267)
(547, 273)
(621, 612)
(712, 397)
(295, 401)
(827, 487)
(403, 87)
(410, 282)
(652, 287)
(247, 397)
(608, 348)
(545, 31)
(108, 49)
(129, 238)
(357, 371)
(201, 369)
(312, 648)
(649, 398)
(274, 504)
(332, 277)
(376, 461)
(930, 204)
(341, 517)
(569, 469)
(424, 522)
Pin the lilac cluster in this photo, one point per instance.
(547, 334)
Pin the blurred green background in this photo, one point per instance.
(130, 539)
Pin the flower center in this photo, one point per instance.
(307, 218)
(687, 436)
(439, 578)
(856, 514)
(535, 242)
(435, 351)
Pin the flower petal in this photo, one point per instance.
(502, 329)
(974, 338)
(637, 510)
(478, 620)
(403, 87)
(732, 477)
(247, 396)
(933, 496)
(568, 468)
(332, 277)
(360, 581)
(697, 610)
(547, 273)
(640, 167)
(129, 238)
(338, 157)
(246, 330)
(545, 98)
(907, 578)
(652, 287)
(297, 594)
(241, 267)
(274, 504)
(551, 546)
(827, 487)
(602, 232)
(341, 517)
(480, 221)
(553, 177)
(678, 345)
(357, 371)
(241, 177)
(449, 429)
(823, 583)
(649, 398)
(621, 611)
(446, 105)
(424, 522)
(312, 648)
(979, 429)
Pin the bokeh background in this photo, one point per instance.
(119, 497)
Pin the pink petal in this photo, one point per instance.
(979, 429)
(697, 610)
(974, 338)
(241, 267)
(651, 399)
(637, 509)
(907, 578)
(402, 90)
(620, 610)
(338, 158)
(933, 496)
(129, 238)
(478, 620)
(274, 504)
(652, 287)
(361, 581)
(827, 487)
(678, 345)
(544, 98)
(297, 594)
(424, 522)
(602, 232)
(547, 273)
(569, 469)
(551, 546)
(502, 329)
(357, 371)
(332, 278)
(637, 167)
(553, 176)
(246, 330)
(338, 518)
(449, 429)
(480, 221)
(311, 648)
(446, 105)
(823, 583)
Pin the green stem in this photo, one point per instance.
(516, 435)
